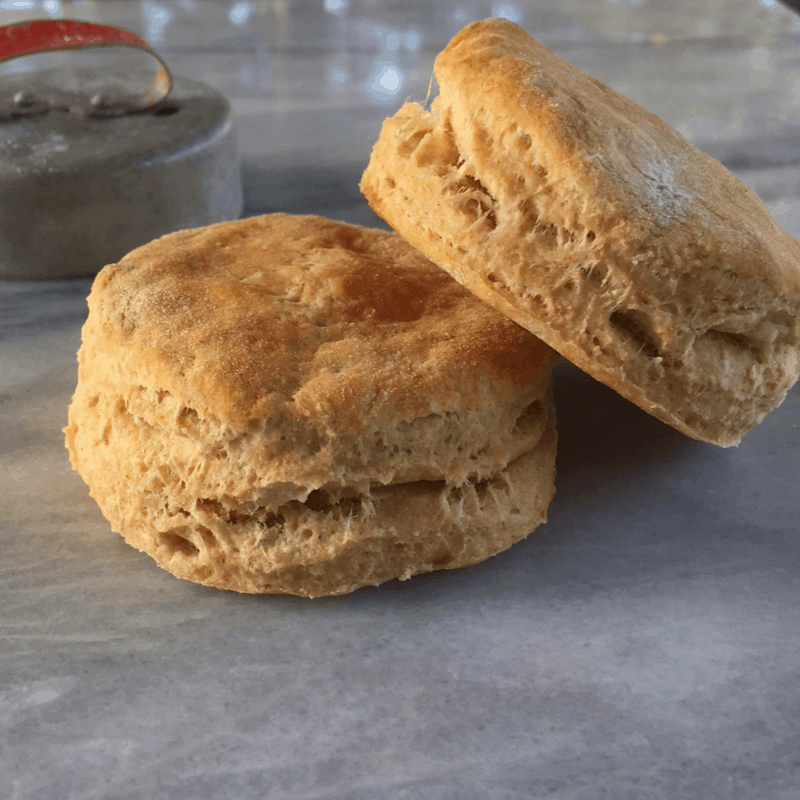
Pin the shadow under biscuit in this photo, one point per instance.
(603, 437)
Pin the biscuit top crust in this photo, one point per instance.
(305, 318)
(642, 185)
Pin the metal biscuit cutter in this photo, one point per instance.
(92, 166)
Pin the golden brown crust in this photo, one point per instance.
(596, 226)
(260, 399)
(339, 302)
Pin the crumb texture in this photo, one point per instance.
(593, 224)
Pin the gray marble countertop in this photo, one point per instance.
(643, 644)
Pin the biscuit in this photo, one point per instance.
(292, 405)
(596, 226)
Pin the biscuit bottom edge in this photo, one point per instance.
(314, 550)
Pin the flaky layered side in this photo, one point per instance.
(596, 226)
(204, 513)
(291, 405)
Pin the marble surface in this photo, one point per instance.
(643, 644)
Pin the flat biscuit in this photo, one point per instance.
(294, 405)
(596, 226)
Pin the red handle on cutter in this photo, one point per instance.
(42, 35)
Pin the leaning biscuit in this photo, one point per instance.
(596, 226)
(291, 405)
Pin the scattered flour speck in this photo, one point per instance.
(659, 188)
